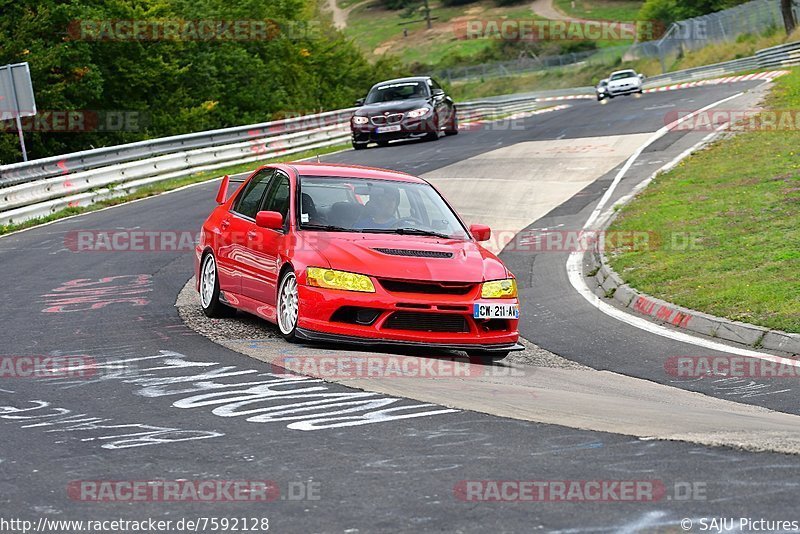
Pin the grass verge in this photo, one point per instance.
(166, 185)
(621, 10)
(734, 212)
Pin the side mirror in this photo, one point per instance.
(480, 232)
(222, 193)
(641, 77)
(438, 93)
(360, 101)
(269, 219)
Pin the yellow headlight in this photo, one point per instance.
(499, 289)
(333, 279)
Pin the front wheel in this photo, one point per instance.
(453, 129)
(288, 305)
(359, 146)
(209, 289)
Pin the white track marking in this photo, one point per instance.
(575, 271)
(664, 130)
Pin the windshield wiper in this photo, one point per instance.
(327, 228)
(406, 231)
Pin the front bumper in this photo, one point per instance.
(409, 129)
(624, 91)
(429, 320)
(311, 335)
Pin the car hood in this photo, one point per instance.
(356, 252)
(632, 80)
(395, 106)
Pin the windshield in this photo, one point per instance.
(621, 75)
(397, 91)
(375, 206)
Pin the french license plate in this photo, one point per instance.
(495, 311)
(385, 129)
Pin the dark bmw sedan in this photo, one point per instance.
(403, 108)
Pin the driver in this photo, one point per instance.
(381, 209)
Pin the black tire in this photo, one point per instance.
(453, 130)
(286, 328)
(433, 134)
(599, 98)
(359, 146)
(209, 289)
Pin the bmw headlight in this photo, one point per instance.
(360, 120)
(333, 279)
(499, 289)
(421, 112)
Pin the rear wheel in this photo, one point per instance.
(209, 289)
(359, 146)
(288, 305)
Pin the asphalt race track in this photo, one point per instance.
(154, 410)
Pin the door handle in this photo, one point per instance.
(252, 234)
(225, 224)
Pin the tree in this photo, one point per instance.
(788, 16)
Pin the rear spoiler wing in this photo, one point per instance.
(222, 192)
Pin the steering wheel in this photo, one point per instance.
(413, 221)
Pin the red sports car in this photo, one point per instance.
(357, 255)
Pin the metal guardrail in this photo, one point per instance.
(78, 161)
(40, 187)
(785, 55)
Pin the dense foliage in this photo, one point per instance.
(668, 11)
(177, 85)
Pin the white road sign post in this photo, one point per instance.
(16, 97)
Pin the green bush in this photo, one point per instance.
(180, 86)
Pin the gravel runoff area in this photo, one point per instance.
(244, 333)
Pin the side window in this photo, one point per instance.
(250, 198)
(435, 85)
(277, 198)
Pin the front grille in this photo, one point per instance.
(379, 120)
(427, 322)
(427, 288)
(414, 253)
